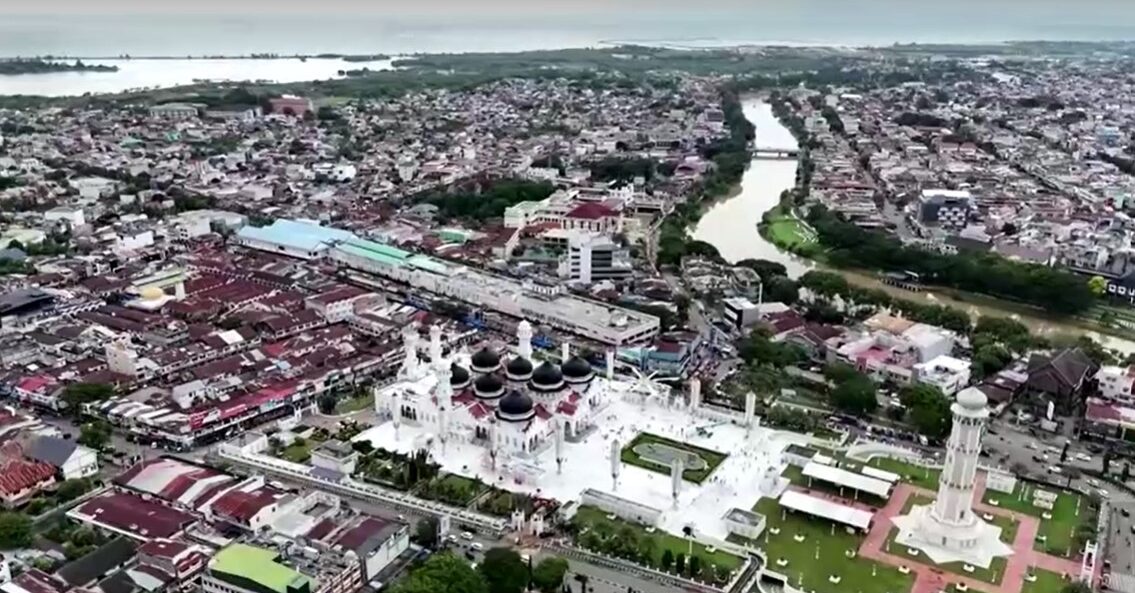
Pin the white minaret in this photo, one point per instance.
(610, 364)
(493, 438)
(954, 505)
(395, 409)
(949, 530)
(750, 409)
(616, 462)
(443, 425)
(676, 469)
(410, 345)
(558, 426)
(524, 340)
(565, 351)
(695, 394)
(435, 345)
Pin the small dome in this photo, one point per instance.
(519, 369)
(486, 361)
(488, 387)
(547, 377)
(576, 370)
(515, 406)
(972, 398)
(458, 376)
(152, 293)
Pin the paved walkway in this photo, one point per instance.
(929, 579)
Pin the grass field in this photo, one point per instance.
(787, 231)
(923, 477)
(348, 405)
(832, 546)
(1046, 582)
(991, 575)
(711, 458)
(300, 453)
(1056, 536)
(593, 520)
(452, 489)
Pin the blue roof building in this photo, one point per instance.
(295, 238)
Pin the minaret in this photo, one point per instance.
(444, 394)
(676, 470)
(695, 394)
(524, 340)
(955, 486)
(610, 364)
(558, 426)
(395, 409)
(435, 345)
(410, 345)
(750, 409)
(616, 462)
(565, 351)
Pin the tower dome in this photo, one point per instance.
(488, 386)
(486, 360)
(519, 369)
(515, 407)
(972, 398)
(459, 378)
(546, 377)
(577, 370)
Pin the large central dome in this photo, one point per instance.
(515, 407)
(546, 377)
(519, 369)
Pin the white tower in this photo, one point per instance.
(444, 393)
(435, 345)
(610, 364)
(410, 345)
(524, 340)
(395, 409)
(750, 409)
(565, 351)
(695, 394)
(949, 530)
(558, 426)
(676, 470)
(493, 441)
(616, 462)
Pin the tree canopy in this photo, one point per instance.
(15, 530)
(442, 573)
(504, 571)
(77, 394)
(855, 395)
(928, 409)
(548, 576)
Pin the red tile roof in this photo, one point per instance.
(133, 514)
(355, 537)
(591, 211)
(242, 506)
(18, 475)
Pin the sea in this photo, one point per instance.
(784, 22)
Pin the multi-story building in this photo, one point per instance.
(591, 258)
(945, 208)
(947, 373)
(1115, 383)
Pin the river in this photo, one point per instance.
(140, 74)
(730, 225)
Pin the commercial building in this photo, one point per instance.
(294, 238)
(591, 258)
(947, 373)
(945, 208)
(240, 568)
(740, 312)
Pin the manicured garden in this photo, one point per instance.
(1045, 582)
(635, 453)
(599, 531)
(1071, 521)
(451, 489)
(786, 231)
(811, 553)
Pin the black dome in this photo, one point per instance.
(485, 360)
(516, 404)
(547, 377)
(488, 386)
(458, 376)
(576, 369)
(519, 368)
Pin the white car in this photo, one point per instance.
(1084, 457)
(1103, 493)
(465, 535)
(1054, 469)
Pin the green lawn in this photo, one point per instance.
(786, 231)
(996, 569)
(595, 530)
(923, 477)
(1056, 536)
(451, 489)
(832, 545)
(348, 405)
(1046, 582)
(711, 458)
(300, 453)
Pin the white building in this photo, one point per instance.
(174, 111)
(1116, 383)
(72, 216)
(747, 524)
(71, 459)
(740, 312)
(592, 258)
(947, 373)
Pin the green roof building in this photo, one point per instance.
(240, 568)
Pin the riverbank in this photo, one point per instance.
(754, 205)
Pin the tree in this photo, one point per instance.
(695, 566)
(1098, 285)
(504, 571)
(548, 576)
(442, 573)
(1125, 473)
(928, 408)
(15, 530)
(363, 447)
(77, 394)
(1077, 587)
(72, 489)
(667, 559)
(764, 268)
(855, 396)
(95, 434)
(680, 563)
(425, 532)
(781, 290)
(327, 403)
